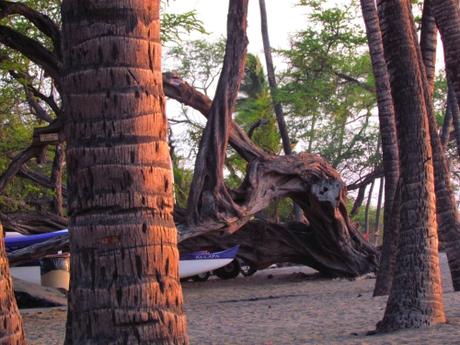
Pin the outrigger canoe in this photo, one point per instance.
(190, 264)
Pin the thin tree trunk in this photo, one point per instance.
(11, 328)
(377, 215)
(208, 195)
(366, 213)
(389, 138)
(272, 80)
(358, 201)
(446, 125)
(416, 294)
(447, 15)
(446, 209)
(455, 113)
(428, 43)
(274, 91)
(56, 178)
(125, 285)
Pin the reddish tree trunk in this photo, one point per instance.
(389, 145)
(125, 285)
(416, 294)
(446, 209)
(11, 329)
(208, 195)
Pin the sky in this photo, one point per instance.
(284, 18)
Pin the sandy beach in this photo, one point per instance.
(280, 306)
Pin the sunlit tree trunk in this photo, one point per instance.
(389, 146)
(125, 286)
(446, 209)
(11, 329)
(416, 294)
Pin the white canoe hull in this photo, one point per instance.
(187, 269)
(190, 268)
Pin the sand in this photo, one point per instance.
(279, 307)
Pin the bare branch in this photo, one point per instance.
(184, 93)
(35, 106)
(17, 163)
(353, 80)
(255, 125)
(31, 49)
(42, 22)
(364, 181)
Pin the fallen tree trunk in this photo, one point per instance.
(32, 222)
(263, 244)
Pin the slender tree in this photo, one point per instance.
(377, 214)
(447, 123)
(11, 329)
(125, 286)
(455, 114)
(447, 15)
(274, 90)
(428, 43)
(272, 80)
(446, 209)
(389, 146)
(416, 294)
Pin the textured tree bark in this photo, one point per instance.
(389, 139)
(416, 294)
(11, 330)
(56, 178)
(428, 42)
(208, 195)
(447, 15)
(125, 286)
(455, 113)
(29, 222)
(265, 243)
(447, 215)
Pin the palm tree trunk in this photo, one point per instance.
(428, 43)
(11, 329)
(447, 15)
(389, 145)
(446, 209)
(125, 286)
(416, 294)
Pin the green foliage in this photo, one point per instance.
(175, 26)
(327, 89)
(256, 105)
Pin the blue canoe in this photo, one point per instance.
(189, 265)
